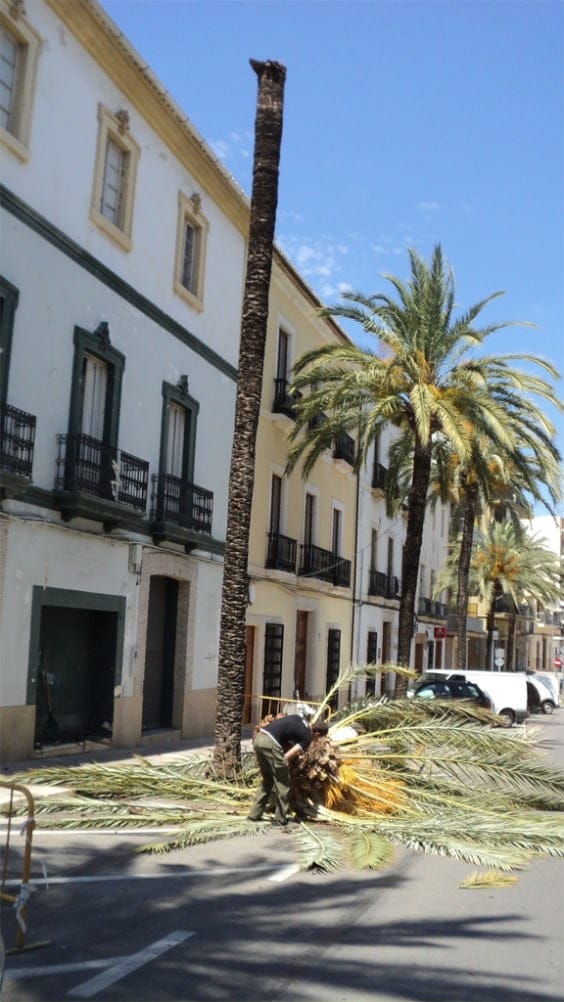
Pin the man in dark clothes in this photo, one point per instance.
(275, 745)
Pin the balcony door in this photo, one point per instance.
(94, 397)
(176, 437)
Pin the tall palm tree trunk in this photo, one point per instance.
(466, 540)
(231, 662)
(411, 554)
(490, 625)
(510, 652)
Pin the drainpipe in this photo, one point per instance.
(355, 563)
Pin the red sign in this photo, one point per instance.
(557, 662)
(440, 632)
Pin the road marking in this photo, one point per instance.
(101, 878)
(42, 972)
(284, 872)
(88, 989)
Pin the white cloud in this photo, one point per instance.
(429, 206)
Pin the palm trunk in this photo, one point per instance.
(510, 652)
(467, 537)
(411, 555)
(490, 626)
(231, 662)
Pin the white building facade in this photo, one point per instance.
(122, 270)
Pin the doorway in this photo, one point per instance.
(158, 684)
(75, 676)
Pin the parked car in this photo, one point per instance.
(506, 690)
(451, 688)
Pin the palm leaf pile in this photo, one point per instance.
(440, 778)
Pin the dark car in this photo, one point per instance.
(451, 688)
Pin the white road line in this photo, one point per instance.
(220, 871)
(41, 972)
(284, 872)
(88, 989)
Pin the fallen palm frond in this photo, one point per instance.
(440, 778)
(491, 878)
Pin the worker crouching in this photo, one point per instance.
(276, 744)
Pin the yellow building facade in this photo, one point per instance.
(301, 554)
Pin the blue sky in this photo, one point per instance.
(405, 124)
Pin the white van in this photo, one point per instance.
(507, 690)
(543, 691)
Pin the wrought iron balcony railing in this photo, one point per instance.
(379, 474)
(325, 565)
(343, 448)
(385, 585)
(282, 552)
(17, 439)
(85, 465)
(182, 503)
(429, 607)
(284, 402)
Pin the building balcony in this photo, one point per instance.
(16, 442)
(428, 607)
(379, 474)
(96, 480)
(180, 511)
(282, 552)
(384, 585)
(284, 403)
(343, 449)
(325, 565)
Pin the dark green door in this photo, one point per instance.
(75, 677)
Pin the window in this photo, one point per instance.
(336, 532)
(275, 503)
(115, 171)
(178, 433)
(333, 662)
(19, 52)
(390, 557)
(371, 659)
(191, 236)
(96, 387)
(309, 520)
(273, 650)
(283, 355)
(374, 550)
(9, 296)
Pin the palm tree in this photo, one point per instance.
(439, 778)
(504, 486)
(424, 379)
(231, 662)
(507, 562)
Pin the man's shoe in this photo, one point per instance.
(280, 822)
(250, 818)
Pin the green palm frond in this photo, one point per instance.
(490, 878)
(367, 850)
(210, 829)
(318, 849)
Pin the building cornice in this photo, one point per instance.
(109, 47)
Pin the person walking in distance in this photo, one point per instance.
(275, 745)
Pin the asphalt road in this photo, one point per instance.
(235, 921)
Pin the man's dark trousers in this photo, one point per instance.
(275, 776)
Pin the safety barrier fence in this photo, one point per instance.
(265, 705)
(10, 809)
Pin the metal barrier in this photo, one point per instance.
(19, 900)
(277, 704)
